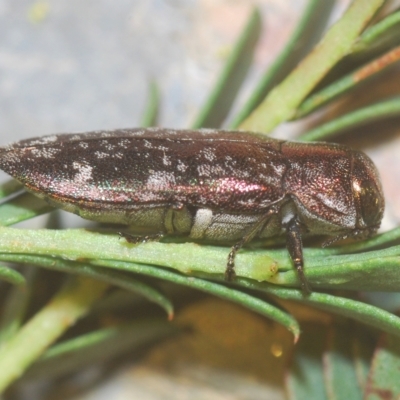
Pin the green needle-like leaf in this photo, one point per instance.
(111, 277)
(9, 187)
(15, 306)
(71, 303)
(244, 299)
(21, 208)
(312, 22)
(384, 374)
(282, 102)
(371, 270)
(11, 276)
(151, 112)
(363, 346)
(222, 97)
(379, 37)
(339, 366)
(99, 346)
(219, 290)
(362, 312)
(347, 83)
(357, 310)
(362, 116)
(305, 379)
(125, 282)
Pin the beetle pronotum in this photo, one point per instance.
(206, 184)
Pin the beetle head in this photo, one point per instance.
(368, 195)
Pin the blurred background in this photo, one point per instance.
(80, 65)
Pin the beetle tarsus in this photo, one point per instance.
(295, 248)
(140, 239)
(304, 284)
(230, 274)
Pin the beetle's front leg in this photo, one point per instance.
(295, 248)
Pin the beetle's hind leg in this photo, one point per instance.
(230, 266)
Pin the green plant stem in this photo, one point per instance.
(221, 98)
(71, 303)
(383, 109)
(151, 112)
(283, 101)
(312, 22)
(348, 82)
(9, 187)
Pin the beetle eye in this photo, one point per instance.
(370, 202)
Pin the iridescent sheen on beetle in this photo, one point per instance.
(206, 184)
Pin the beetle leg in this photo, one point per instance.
(230, 267)
(140, 239)
(295, 248)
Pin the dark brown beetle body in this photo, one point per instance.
(207, 184)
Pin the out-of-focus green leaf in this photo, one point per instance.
(347, 83)
(383, 380)
(371, 271)
(111, 277)
(99, 346)
(374, 41)
(363, 346)
(9, 187)
(219, 290)
(386, 238)
(151, 112)
(282, 102)
(69, 304)
(379, 37)
(15, 306)
(21, 208)
(129, 283)
(362, 116)
(222, 97)
(11, 275)
(356, 310)
(339, 366)
(305, 379)
(306, 34)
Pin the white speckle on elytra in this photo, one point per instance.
(206, 170)
(166, 160)
(84, 173)
(124, 143)
(44, 152)
(160, 179)
(106, 144)
(76, 137)
(101, 154)
(84, 145)
(181, 167)
(44, 140)
(209, 154)
(148, 144)
(118, 155)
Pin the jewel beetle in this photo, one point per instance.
(205, 184)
